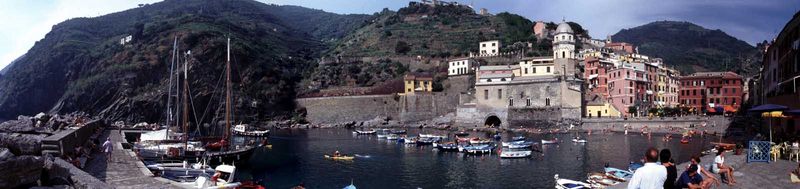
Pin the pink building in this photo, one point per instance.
(627, 87)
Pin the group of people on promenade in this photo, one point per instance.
(659, 171)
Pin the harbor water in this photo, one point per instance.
(297, 157)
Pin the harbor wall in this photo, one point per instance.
(79, 179)
(712, 122)
(403, 108)
(65, 140)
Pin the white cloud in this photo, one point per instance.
(28, 30)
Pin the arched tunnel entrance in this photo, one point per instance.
(492, 121)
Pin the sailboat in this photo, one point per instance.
(163, 144)
(223, 149)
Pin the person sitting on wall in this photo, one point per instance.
(690, 179)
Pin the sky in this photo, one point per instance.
(23, 22)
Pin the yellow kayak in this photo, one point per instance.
(343, 157)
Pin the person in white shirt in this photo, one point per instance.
(651, 175)
(719, 167)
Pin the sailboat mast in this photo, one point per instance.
(169, 87)
(186, 102)
(228, 92)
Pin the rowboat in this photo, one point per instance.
(365, 132)
(517, 144)
(479, 141)
(518, 138)
(515, 153)
(450, 146)
(392, 137)
(570, 184)
(411, 140)
(601, 179)
(618, 174)
(427, 141)
(342, 157)
(462, 134)
(554, 141)
(477, 149)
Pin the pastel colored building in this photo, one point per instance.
(489, 48)
(461, 66)
(536, 66)
(711, 91)
(621, 46)
(417, 82)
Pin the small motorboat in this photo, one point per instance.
(479, 141)
(450, 146)
(392, 137)
(478, 149)
(517, 144)
(570, 184)
(427, 141)
(684, 140)
(618, 174)
(224, 180)
(460, 139)
(398, 131)
(461, 134)
(515, 153)
(341, 157)
(365, 132)
(244, 130)
(382, 135)
(601, 179)
(412, 140)
(518, 138)
(554, 141)
(579, 140)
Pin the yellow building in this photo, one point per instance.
(536, 66)
(417, 82)
(598, 107)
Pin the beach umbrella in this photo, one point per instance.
(795, 112)
(771, 108)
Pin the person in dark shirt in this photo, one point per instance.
(672, 171)
(690, 179)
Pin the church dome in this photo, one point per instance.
(563, 27)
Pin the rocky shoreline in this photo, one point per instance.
(22, 158)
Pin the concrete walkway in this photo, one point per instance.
(124, 170)
(748, 175)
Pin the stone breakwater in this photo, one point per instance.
(27, 159)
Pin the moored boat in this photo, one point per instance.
(398, 131)
(450, 146)
(479, 141)
(518, 144)
(579, 140)
(515, 153)
(461, 134)
(601, 179)
(570, 184)
(619, 174)
(518, 138)
(365, 132)
(554, 141)
(222, 178)
(340, 157)
(392, 137)
(244, 130)
(478, 149)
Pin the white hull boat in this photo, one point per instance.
(515, 154)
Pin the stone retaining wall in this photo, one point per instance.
(405, 108)
(713, 123)
(65, 141)
(330, 110)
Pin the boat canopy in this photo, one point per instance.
(155, 135)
